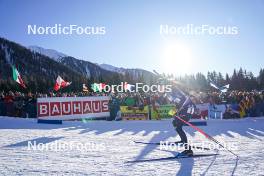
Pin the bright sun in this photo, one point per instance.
(176, 58)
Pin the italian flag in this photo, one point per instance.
(17, 77)
(60, 83)
(98, 87)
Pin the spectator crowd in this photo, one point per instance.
(16, 104)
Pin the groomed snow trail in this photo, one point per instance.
(110, 146)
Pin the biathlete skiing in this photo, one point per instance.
(186, 110)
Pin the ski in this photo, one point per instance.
(173, 158)
(170, 143)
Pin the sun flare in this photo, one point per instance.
(176, 58)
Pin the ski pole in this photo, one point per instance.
(205, 134)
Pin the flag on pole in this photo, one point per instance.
(214, 86)
(226, 86)
(223, 89)
(60, 83)
(17, 77)
(98, 87)
(95, 87)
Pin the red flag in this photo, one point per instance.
(60, 83)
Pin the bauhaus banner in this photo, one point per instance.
(66, 108)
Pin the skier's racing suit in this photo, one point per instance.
(185, 112)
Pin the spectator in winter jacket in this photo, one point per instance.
(9, 101)
(30, 106)
(18, 104)
(2, 105)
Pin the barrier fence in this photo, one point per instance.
(94, 107)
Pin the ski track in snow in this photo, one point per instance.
(16, 159)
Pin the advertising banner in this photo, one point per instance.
(161, 111)
(216, 111)
(202, 110)
(67, 108)
(134, 113)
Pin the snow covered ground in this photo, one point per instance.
(114, 147)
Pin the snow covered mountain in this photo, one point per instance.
(40, 67)
(134, 73)
(88, 68)
(48, 52)
(38, 71)
(112, 68)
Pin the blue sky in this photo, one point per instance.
(133, 39)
